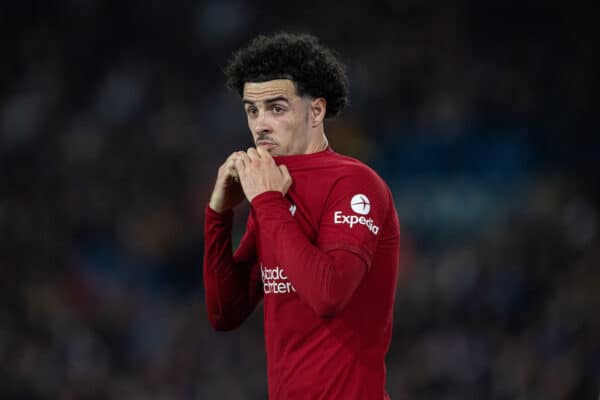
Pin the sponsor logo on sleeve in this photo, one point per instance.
(361, 205)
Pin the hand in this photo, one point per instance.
(227, 192)
(258, 173)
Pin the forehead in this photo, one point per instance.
(258, 91)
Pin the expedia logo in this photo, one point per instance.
(360, 204)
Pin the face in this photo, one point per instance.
(277, 117)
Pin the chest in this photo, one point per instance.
(308, 197)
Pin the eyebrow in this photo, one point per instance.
(268, 101)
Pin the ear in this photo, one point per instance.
(318, 109)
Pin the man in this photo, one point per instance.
(321, 246)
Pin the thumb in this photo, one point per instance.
(263, 153)
(284, 171)
(287, 182)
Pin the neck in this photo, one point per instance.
(318, 145)
(320, 141)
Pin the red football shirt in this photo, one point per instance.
(325, 260)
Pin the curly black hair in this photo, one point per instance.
(314, 69)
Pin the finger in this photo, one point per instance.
(284, 171)
(264, 154)
(287, 179)
(230, 165)
(232, 173)
(232, 157)
(245, 158)
(253, 154)
(240, 166)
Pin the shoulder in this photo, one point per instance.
(350, 168)
(356, 181)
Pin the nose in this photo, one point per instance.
(261, 124)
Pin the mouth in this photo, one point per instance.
(265, 144)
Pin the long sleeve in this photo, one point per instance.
(232, 282)
(323, 280)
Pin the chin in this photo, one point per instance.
(274, 151)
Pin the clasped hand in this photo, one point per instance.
(258, 173)
(248, 174)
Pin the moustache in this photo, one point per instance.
(264, 137)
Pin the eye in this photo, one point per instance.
(278, 109)
(251, 111)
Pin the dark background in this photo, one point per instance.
(114, 119)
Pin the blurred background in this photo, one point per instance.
(114, 119)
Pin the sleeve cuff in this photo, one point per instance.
(271, 197)
(226, 215)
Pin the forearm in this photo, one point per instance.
(324, 280)
(231, 292)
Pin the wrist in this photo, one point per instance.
(220, 213)
(216, 207)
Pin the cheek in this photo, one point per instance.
(293, 124)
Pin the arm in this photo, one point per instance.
(231, 281)
(327, 274)
(324, 280)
